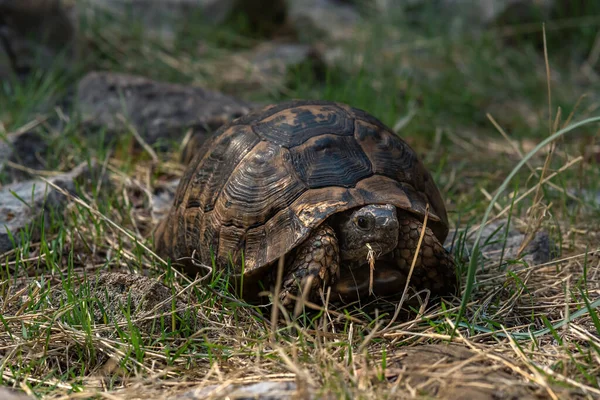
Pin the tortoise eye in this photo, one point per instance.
(363, 223)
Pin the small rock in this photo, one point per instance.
(162, 199)
(158, 111)
(36, 34)
(5, 153)
(541, 249)
(160, 17)
(266, 66)
(591, 197)
(318, 19)
(164, 18)
(25, 149)
(21, 203)
(259, 391)
(506, 12)
(10, 394)
(477, 14)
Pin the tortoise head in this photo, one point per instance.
(374, 225)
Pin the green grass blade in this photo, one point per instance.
(476, 252)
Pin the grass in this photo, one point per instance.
(538, 324)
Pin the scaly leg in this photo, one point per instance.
(434, 268)
(317, 257)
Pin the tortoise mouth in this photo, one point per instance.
(355, 265)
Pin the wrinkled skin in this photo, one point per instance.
(373, 225)
(344, 240)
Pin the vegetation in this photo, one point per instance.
(472, 103)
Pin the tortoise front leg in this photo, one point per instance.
(317, 257)
(434, 267)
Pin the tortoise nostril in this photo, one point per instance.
(391, 228)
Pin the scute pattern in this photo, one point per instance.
(216, 166)
(190, 172)
(209, 238)
(229, 242)
(192, 219)
(256, 246)
(390, 155)
(293, 127)
(314, 161)
(258, 188)
(263, 183)
(284, 230)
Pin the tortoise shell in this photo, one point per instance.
(259, 185)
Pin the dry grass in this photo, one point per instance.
(528, 331)
(59, 350)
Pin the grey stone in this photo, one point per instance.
(37, 34)
(157, 110)
(162, 198)
(10, 394)
(323, 19)
(495, 246)
(276, 57)
(5, 153)
(587, 196)
(266, 67)
(159, 17)
(473, 14)
(21, 203)
(165, 18)
(491, 10)
(269, 390)
(26, 149)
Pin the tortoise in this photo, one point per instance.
(320, 184)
